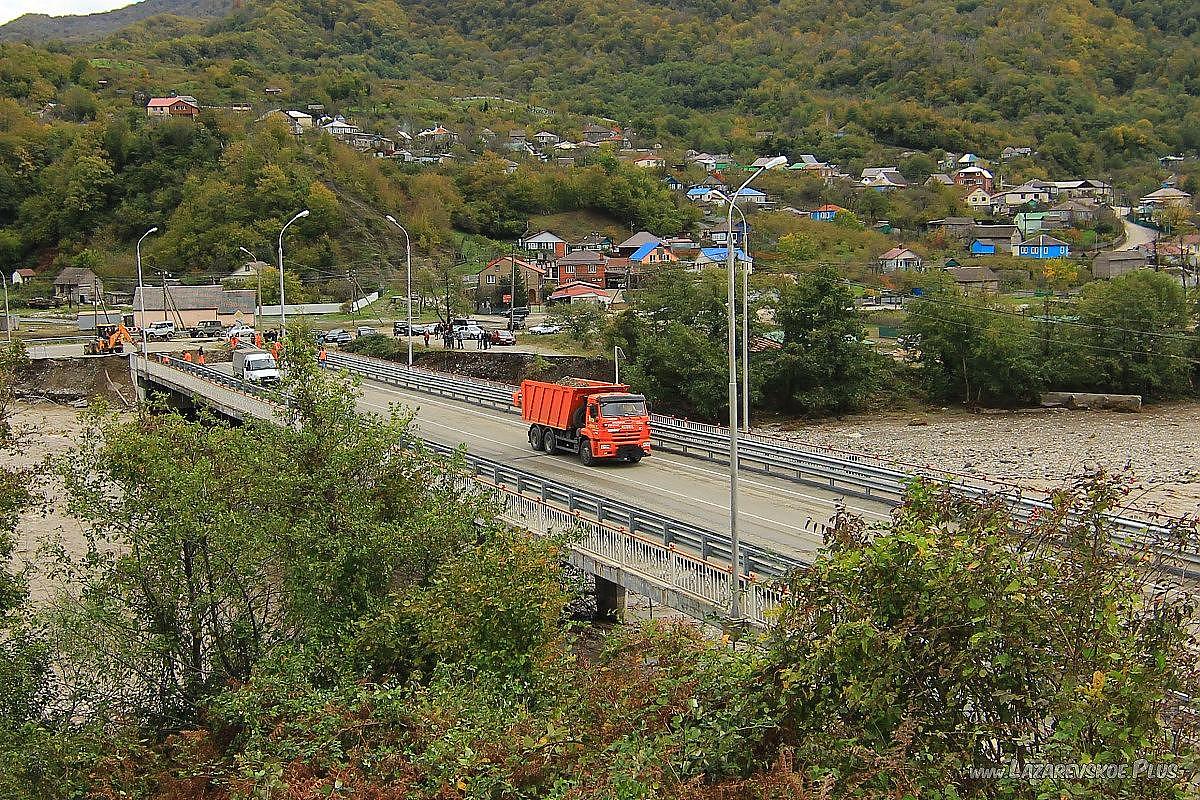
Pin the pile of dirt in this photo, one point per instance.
(75, 381)
(512, 368)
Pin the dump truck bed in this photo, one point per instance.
(553, 404)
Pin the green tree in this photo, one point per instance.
(582, 321)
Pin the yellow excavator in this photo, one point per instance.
(109, 339)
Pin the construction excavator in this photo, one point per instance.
(109, 339)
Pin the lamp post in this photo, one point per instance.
(735, 555)
(407, 280)
(7, 316)
(142, 289)
(745, 310)
(257, 284)
(282, 299)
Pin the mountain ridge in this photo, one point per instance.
(78, 27)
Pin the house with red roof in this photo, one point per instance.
(580, 292)
(826, 213)
(173, 107)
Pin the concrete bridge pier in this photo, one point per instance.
(610, 600)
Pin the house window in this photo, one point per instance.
(592, 269)
(491, 278)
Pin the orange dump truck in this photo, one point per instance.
(593, 419)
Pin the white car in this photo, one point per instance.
(241, 332)
(545, 329)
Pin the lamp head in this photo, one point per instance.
(777, 161)
(152, 230)
(302, 214)
(390, 219)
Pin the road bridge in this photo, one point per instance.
(627, 536)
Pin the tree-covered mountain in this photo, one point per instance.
(42, 27)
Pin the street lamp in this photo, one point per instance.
(142, 288)
(282, 299)
(735, 555)
(257, 282)
(745, 310)
(7, 316)
(407, 280)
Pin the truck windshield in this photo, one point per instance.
(262, 362)
(614, 409)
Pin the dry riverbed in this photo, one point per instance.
(1158, 449)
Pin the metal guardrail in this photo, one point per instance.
(831, 469)
(657, 548)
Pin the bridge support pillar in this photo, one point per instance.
(610, 601)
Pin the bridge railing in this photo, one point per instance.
(662, 551)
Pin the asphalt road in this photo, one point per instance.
(774, 513)
(1136, 235)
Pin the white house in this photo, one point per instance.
(900, 258)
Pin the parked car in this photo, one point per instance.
(160, 331)
(503, 337)
(364, 330)
(44, 302)
(545, 329)
(471, 331)
(207, 327)
(338, 336)
(245, 332)
(400, 328)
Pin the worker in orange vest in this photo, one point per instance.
(187, 356)
(200, 356)
(258, 340)
(233, 341)
(321, 356)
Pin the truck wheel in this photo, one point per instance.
(535, 437)
(635, 458)
(585, 453)
(549, 444)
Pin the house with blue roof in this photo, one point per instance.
(704, 194)
(1042, 247)
(753, 197)
(715, 257)
(652, 253)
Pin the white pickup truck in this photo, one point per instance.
(160, 331)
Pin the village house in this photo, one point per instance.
(297, 121)
(992, 239)
(1167, 197)
(594, 241)
(544, 246)
(901, 259)
(1009, 153)
(78, 285)
(1087, 189)
(674, 184)
(1042, 246)
(583, 265)
(957, 228)
(21, 275)
(1025, 195)
(826, 213)
(598, 133)
(1075, 212)
(187, 306)
(437, 136)
(883, 178)
(939, 179)
(974, 178)
(979, 201)
(1113, 263)
(339, 128)
(720, 233)
(975, 280)
(717, 257)
(500, 270)
(631, 245)
(173, 107)
(546, 139)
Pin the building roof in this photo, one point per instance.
(573, 290)
(829, 207)
(75, 276)
(167, 102)
(518, 262)
(26, 273)
(719, 254)
(638, 239)
(940, 177)
(974, 171)
(1121, 255)
(898, 252)
(1167, 193)
(644, 250)
(1043, 241)
(544, 236)
(582, 258)
(192, 298)
(972, 274)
